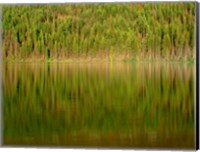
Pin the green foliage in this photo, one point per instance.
(166, 43)
(72, 28)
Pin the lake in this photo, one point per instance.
(117, 104)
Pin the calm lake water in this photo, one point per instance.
(130, 105)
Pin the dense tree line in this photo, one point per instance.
(140, 29)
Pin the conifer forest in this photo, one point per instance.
(131, 30)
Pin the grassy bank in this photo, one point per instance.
(98, 58)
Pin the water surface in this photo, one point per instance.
(99, 104)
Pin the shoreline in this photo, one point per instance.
(96, 59)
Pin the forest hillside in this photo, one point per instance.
(131, 30)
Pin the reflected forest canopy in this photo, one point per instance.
(99, 105)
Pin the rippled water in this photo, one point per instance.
(103, 105)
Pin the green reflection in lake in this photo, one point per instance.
(109, 104)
